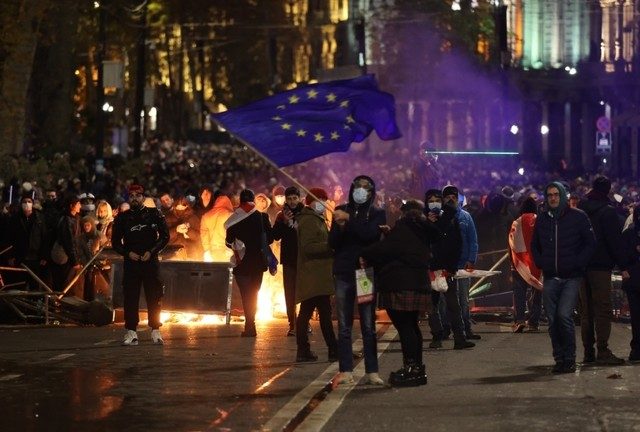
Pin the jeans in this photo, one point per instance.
(560, 297)
(463, 299)
(345, 300)
(520, 301)
(446, 316)
(595, 310)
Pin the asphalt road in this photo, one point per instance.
(207, 378)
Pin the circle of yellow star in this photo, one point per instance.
(335, 135)
(311, 94)
(293, 99)
(285, 126)
(331, 97)
(318, 137)
(301, 132)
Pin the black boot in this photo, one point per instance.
(462, 344)
(306, 356)
(411, 375)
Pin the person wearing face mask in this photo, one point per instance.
(139, 235)
(314, 281)
(445, 316)
(28, 238)
(67, 235)
(355, 226)
(278, 199)
(284, 230)
(468, 253)
(631, 285)
(87, 204)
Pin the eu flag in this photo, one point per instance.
(307, 122)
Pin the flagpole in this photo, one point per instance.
(272, 163)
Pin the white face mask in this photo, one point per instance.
(280, 199)
(27, 206)
(435, 206)
(88, 207)
(360, 195)
(318, 207)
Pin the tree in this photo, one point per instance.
(19, 28)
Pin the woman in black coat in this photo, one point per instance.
(401, 262)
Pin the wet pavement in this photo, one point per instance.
(206, 377)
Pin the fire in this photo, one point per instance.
(191, 318)
(271, 302)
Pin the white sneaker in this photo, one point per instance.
(130, 338)
(157, 337)
(345, 378)
(374, 378)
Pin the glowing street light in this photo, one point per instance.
(514, 129)
(521, 171)
(544, 129)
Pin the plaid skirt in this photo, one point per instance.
(405, 300)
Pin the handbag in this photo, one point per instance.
(58, 255)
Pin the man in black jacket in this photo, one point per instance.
(562, 245)
(139, 235)
(247, 232)
(284, 229)
(595, 294)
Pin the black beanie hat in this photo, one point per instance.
(450, 190)
(602, 184)
(247, 195)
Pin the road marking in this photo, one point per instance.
(223, 415)
(323, 411)
(9, 377)
(61, 357)
(104, 342)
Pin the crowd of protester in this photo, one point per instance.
(207, 191)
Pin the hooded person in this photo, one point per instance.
(212, 231)
(355, 226)
(248, 235)
(631, 286)
(185, 230)
(595, 294)
(562, 245)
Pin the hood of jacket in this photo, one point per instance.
(564, 199)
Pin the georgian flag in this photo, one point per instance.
(520, 247)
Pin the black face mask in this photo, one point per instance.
(135, 205)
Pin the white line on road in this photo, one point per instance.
(9, 377)
(323, 412)
(104, 342)
(61, 357)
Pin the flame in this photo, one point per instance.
(191, 318)
(271, 302)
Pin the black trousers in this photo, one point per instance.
(323, 304)
(249, 284)
(137, 275)
(406, 322)
(289, 273)
(633, 296)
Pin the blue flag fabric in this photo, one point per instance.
(301, 124)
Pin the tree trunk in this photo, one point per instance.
(19, 26)
(55, 75)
